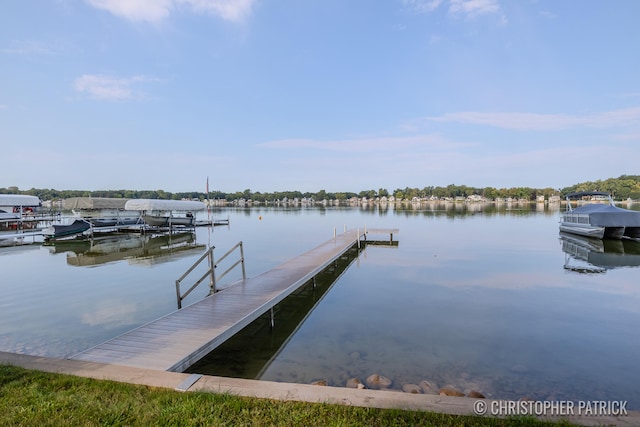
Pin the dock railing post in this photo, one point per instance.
(334, 232)
(178, 296)
(244, 274)
(212, 272)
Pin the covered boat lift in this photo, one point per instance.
(162, 213)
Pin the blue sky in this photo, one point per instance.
(340, 95)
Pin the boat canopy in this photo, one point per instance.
(587, 193)
(163, 205)
(601, 215)
(19, 200)
(74, 203)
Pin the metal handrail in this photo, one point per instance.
(241, 260)
(211, 272)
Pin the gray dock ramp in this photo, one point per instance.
(178, 340)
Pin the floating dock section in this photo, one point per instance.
(178, 340)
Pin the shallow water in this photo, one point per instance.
(477, 298)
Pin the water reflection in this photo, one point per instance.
(438, 208)
(590, 255)
(475, 297)
(138, 249)
(248, 353)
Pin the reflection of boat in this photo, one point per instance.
(599, 254)
(65, 231)
(600, 220)
(132, 247)
(166, 213)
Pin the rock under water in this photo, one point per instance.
(377, 381)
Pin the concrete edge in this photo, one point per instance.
(281, 391)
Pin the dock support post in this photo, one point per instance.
(273, 322)
(334, 232)
(358, 236)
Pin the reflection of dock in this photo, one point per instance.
(18, 238)
(179, 339)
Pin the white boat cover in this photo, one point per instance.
(19, 200)
(77, 203)
(163, 205)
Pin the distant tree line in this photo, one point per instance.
(623, 187)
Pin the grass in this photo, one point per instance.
(30, 398)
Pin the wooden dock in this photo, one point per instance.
(178, 340)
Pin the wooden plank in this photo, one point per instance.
(176, 341)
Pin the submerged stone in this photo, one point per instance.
(377, 381)
(475, 394)
(412, 388)
(450, 390)
(428, 387)
(354, 383)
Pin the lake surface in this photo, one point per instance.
(487, 298)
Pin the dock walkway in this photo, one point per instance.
(178, 340)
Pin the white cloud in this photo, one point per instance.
(103, 87)
(155, 11)
(138, 10)
(27, 47)
(364, 145)
(473, 7)
(231, 10)
(544, 122)
(467, 8)
(423, 5)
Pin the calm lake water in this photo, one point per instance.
(479, 297)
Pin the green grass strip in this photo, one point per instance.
(30, 398)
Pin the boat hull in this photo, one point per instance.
(114, 222)
(168, 221)
(583, 230)
(632, 232)
(76, 228)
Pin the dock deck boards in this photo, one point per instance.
(176, 341)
